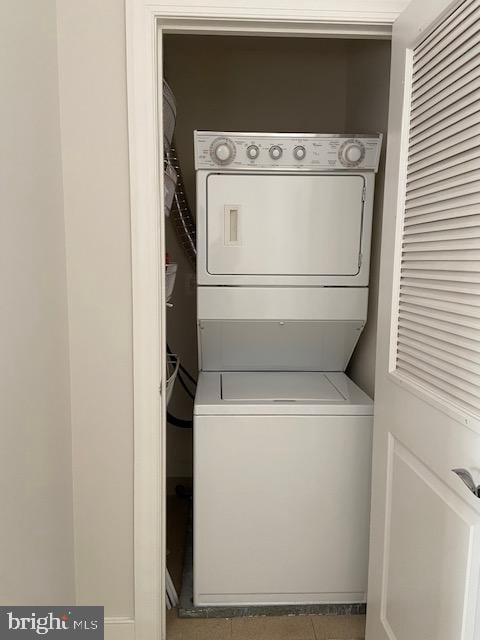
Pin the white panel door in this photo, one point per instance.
(284, 225)
(425, 524)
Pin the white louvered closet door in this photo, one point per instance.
(424, 579)
(439, 303)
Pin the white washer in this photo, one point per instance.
(282, 437)
(282, 488)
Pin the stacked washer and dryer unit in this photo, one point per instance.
(282, 437)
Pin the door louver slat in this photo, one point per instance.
(436, 294)
(461, 217)
(446, 28)
(442, 325)
(458, 383)
(454, 137)
(438, 385)
(433, 355)
(471, 255)
(444, 275)
(457, 205)
(450, 167)
(441, 57)
(445, 89)
(452, 177)
(437, 343)
(469, 184)
(447, 311)
(454, 341)
(448, 154)
(447, 229)
(468, 105)
(432, 137)
(438, 322)
(439, 245)
(443, 285)
(441, 265)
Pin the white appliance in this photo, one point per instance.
(282, 438)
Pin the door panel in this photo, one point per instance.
(430, 536)
(302, 225)
(425, 523)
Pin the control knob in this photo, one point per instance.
(275, 152)
(299, 153)
(222, 151)
(253, 152)
(351, 153)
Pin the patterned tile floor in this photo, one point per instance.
(307, 627)
(266, 628)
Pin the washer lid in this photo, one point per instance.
(279, 386)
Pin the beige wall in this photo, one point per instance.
(36, 534)
(268, 84)
(367, 110)
(40, 519)
(91, 44)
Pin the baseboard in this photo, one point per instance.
(119, 629)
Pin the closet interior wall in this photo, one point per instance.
(368, 84)
(235, 83)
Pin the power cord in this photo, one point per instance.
(172, 419)
(179, 422)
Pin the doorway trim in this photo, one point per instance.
(145, 23)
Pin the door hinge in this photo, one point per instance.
(360, 261)
(364, 194)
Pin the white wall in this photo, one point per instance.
(91, 44)
(36, 534)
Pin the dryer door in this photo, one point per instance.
(284, 225)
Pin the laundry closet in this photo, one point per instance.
(269, 482)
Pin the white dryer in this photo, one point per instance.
(282, 437)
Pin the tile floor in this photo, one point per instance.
(257, 628)
(266, 628)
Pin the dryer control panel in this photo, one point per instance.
(287, 151)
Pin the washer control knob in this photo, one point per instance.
(299, 153)
(275, 152)
(351, 153)
(222, 151)
(253, 152)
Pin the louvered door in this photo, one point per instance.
(438, 340)
(424, 580)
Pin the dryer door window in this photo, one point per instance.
(284, 224)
